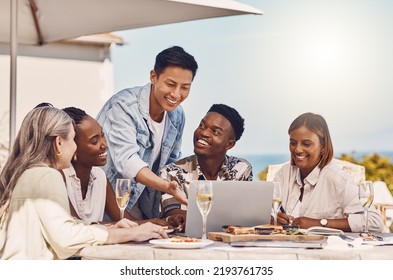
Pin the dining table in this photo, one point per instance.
(346, 247)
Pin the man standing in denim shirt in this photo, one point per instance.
(143, 127)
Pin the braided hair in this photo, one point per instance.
(78, 115)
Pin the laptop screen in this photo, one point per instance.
(242, 203)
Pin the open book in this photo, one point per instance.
(324, 231)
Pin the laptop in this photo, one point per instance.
(242, 203)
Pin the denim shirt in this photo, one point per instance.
(127, 127)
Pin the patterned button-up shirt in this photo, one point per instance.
(187, 169)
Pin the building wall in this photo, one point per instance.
(79, 75)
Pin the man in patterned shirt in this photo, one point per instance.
(217, 133)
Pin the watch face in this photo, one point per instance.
(323, 222)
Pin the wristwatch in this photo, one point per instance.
(323, 222)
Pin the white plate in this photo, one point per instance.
(167, 243)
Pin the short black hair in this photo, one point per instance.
(78, 115)
(232, 116)
(175, 56)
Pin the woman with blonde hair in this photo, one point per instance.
(35, 220)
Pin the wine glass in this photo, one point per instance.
(204, 199)
(277, 200)
(366, 197)
(123, 194)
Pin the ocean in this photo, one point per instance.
(260, 161)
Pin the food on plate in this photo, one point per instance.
(265, 229)
(253, 230)
(291, 230)
(367, 236)
(291, 227)
(240, 230)
(225, 227)
(183, 239)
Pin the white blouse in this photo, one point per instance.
(92, 208)
(329, 193)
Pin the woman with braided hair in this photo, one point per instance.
(89, 191)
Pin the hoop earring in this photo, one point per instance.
(58, 153)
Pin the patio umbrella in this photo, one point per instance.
(38, 22)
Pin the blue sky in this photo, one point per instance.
(332, 57)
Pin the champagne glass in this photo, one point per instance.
(204, 198)
(123, 194)
(366, 197)
(277, 200)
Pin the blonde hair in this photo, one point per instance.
(32, 147)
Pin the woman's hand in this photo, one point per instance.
(160, 222)
(124, 223)
(284, 219)
(305, 222)
(175, 221)
(138, 233)
(148, 231)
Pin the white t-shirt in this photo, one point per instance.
(158, 132)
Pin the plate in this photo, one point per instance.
(167, 243)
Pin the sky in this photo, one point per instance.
(332, 57)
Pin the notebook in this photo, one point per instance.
(242, 203)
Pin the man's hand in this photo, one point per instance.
(177, 193)
(177, 221)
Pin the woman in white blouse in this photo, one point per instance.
(35, 220)
(90, 193)
(316, 192)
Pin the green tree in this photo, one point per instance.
(263, 174)
(378, 168)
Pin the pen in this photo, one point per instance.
(283, 211)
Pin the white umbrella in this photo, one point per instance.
(39, 22)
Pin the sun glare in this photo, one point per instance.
(325, 52)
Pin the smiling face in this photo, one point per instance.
(169, 89)
(306, 149)
(91, 143)
(214, 136)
